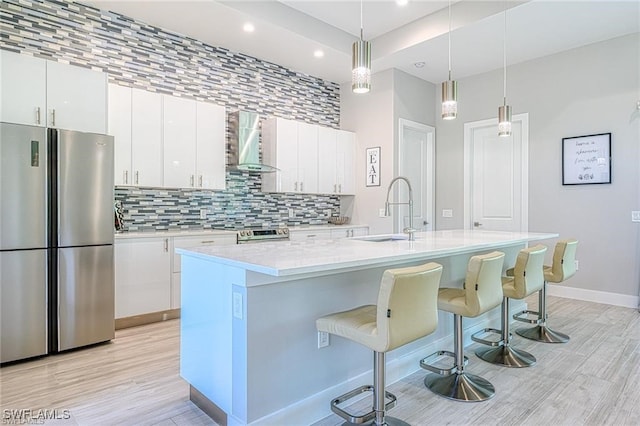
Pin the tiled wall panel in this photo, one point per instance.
(135, 54)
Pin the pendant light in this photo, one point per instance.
(449, 87)
(361, 64)
(504, 111)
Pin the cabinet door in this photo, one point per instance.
(179, 138)
(143, 276)
(146, 138)
(210, 146)
(307, 158)
(120, 129)
(345, 162)
(76, 98)
(309, 235)
(327, 183)
(22, 89)
(287, 155)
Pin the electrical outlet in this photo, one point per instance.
(237, 305)
(203, 214)
(577, 265)
(635, 216)
(291, 213)
(381, 213)
(447, 213)
(323, 339)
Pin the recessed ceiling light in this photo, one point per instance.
(402, 2)
(420, 64)
(248, 27)
(318, 53)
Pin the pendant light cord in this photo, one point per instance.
(449, 40)
(361, 31)
(504, 55)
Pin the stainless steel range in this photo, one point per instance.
(247, 236)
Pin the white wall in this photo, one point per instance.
(593, 89)
(374, 117)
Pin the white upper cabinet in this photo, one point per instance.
(46, 93)
(292, 147)
(23, 90)
(76, 98)
(327, 139)
(336, 170)
(307, 158)
(345, 162)
(194, 144)
(179, 135)
(120, 129)
(166, 141)
(210, 146)
(146, 138)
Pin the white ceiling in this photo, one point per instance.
(287, 32)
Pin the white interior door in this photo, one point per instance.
(496, 176)
(416, 149)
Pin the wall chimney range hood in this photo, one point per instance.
(244, 146)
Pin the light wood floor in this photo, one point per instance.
(592, 380)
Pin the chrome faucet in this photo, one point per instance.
(410, 230)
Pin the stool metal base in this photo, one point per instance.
(507, 356)
(390, 421)
(542, 333)
(460, 387)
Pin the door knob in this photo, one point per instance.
(477, 224)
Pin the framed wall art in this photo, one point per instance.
(373, 166)
(586, 159)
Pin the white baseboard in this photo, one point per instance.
(615, 299)
(316, 407)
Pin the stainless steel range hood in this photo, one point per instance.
(244, 146)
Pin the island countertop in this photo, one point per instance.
(293, 257)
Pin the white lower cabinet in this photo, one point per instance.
(327, 233)
(349, 232)
(143, 276)
(188, 242)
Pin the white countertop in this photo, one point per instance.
(172, 233)
(196, 232)
(294, 257)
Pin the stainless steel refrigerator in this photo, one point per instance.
(56, 240)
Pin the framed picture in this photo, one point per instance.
(373, 166)
(586, 159)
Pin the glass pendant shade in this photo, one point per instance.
(504, 120)
(449, 99)
(361, 67)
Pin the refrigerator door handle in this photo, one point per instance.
(53, 117)
(37, 115)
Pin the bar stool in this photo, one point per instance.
(525, 278)
(562, 268)
(482, 291)
(406, 310)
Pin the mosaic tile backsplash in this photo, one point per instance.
(138, 55)
(242, 205)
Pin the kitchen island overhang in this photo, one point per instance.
(248, 337)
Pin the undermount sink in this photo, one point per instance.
(382, 238)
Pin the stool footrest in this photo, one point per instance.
(475, 337)
(524, 317)
(363, 418)
(426, 363)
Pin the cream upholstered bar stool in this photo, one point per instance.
(525, 278)
(406, 310)
(562, 268)
(482, 291)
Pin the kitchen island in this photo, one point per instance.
(249, 346)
